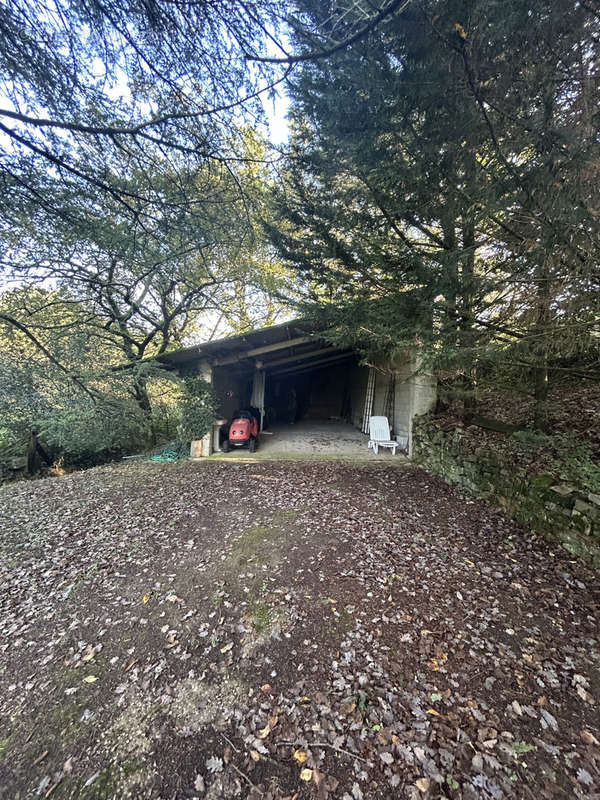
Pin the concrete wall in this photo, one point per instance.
(231, 389)
(403, 399)
(414, 393)
(381, 395)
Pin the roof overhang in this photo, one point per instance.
(279, 349)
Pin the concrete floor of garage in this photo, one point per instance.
(313, 439)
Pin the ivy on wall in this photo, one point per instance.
(198, 408)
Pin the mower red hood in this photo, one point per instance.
(240, 430)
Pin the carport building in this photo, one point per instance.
(290, 374)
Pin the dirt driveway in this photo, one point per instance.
(288, 630)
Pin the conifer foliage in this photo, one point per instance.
(442, 186)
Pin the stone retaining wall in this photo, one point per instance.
(566, 513)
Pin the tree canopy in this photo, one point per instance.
(442, 184)
(439, 190)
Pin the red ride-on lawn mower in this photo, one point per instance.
(243, 430)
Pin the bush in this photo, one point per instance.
(91, 434)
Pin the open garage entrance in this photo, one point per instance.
(305, 385)
(307, 397)
(311, 392)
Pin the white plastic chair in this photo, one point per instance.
(379, 433)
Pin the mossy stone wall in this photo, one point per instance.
(567, 514)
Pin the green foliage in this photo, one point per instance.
(89, 433)
(530, 438)
(580, 464)
(440, 189)
(198, 408)
(521, 748)
(572, 459)
(262, 616)
(452, 782)
(164, 69)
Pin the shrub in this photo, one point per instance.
(88, 434)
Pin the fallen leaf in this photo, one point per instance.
(214, 764)
(348, 707)
(548, 721)
(585, 695)
(88, 653)
(90, 679)
(423, 784)
(589, 738)
(433, 712)
(227, 647)
(254, 755)
(584, 777)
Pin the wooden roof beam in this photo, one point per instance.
(258, 351)
(304, 367)
(298, 356)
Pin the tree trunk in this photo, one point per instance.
(467, 288)
(33, 459)
(540, 351)
(467, 338)
(140, 391)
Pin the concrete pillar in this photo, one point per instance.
(423, 395)
(415, 394)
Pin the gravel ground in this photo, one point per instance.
(288, 630)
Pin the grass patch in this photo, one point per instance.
(261, 616)
(254, 536)
(4, 746)
(64, 726)
(288, 514)
(253, 542)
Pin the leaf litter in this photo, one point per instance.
(347, 632)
